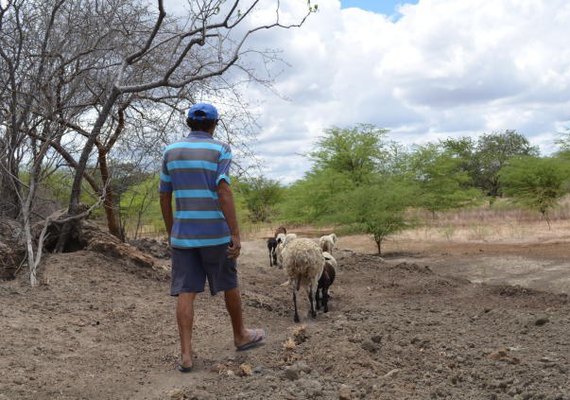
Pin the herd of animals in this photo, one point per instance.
(308, 264)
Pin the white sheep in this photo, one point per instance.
(304, 262)
(328, 242)
(282, 240)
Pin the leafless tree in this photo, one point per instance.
(74, 74)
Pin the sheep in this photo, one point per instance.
(272, 248)
(328, 242)
(282, 240)
(325, 281)
(272, 245)
(304, 262)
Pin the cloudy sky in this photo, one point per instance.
(426, 70)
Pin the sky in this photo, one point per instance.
(426, 70)
(386, 7)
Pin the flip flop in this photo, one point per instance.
(256, 341)
(183, 369)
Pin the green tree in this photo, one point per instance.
(344, 158)
(463, 150)
(537, 183)
(313, 198)
(442, 182)
(260, 196)
(493, 152)
(139, 206)
(378, 209)
(563, 143)
(356, 152)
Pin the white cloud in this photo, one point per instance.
(444, 68)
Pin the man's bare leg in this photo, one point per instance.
(185, 318)
(233, 305)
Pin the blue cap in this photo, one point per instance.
(202, 111)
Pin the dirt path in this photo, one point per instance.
(543, 265)
(101, 329)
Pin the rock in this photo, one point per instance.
(344, 392)
(376, 338)
(312, 387)
(541, 321)
(176, 394)
(199, 394)
(291, 373)
(370, 346)
(245, 370)
(302, 366)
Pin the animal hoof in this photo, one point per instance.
(296, 318)
(314, 314)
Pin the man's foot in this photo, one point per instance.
(185, 364)
(255, 338)
(184, 369)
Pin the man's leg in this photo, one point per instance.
(185, 318)
(233, 305)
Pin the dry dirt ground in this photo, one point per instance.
(409, 326)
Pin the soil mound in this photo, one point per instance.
(157, 248)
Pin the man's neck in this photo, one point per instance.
(202, 133)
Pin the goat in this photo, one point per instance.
(325, 281)
(272, 248)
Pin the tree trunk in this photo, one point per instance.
(10, 188)
(81, 166)
(108, 201)
(379, 246)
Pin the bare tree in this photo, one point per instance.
(74, 73)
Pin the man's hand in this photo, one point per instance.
(166, 208)
(227, 205)
(235, 247)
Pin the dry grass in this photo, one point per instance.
(498, 223)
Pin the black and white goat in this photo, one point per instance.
(325, 281)
(272, 248)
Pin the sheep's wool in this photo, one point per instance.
(329, 259)
(303, 260)
(327, 242)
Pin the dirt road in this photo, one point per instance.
(407, 327)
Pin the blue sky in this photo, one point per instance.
(387, 7)
(438, 69)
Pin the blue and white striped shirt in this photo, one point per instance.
(192, 169)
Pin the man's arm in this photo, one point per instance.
(166, 208)
(226, 199)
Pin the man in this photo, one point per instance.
(203, 232)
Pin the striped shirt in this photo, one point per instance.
(192, 169)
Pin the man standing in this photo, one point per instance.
(203, 231)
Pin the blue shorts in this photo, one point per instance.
(191, 267)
